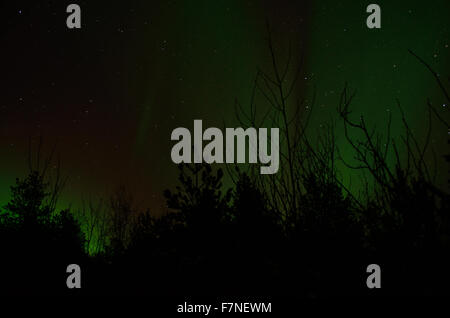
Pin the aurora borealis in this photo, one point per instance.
(110, 94)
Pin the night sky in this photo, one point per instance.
(110, 94)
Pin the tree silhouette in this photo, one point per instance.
(36, 242)
(299, 230)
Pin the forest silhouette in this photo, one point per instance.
(300, 231)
